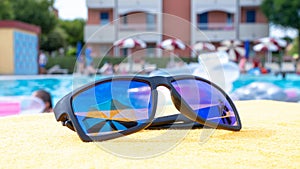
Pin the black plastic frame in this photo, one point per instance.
(64, 112)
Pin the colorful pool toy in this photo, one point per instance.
(16, 105)
(266, 91)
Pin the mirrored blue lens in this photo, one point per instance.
(206, 101)
(113, 106)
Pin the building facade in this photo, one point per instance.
(19, 45)
(188, 20)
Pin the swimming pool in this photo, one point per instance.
(60, 85)
(291, 81)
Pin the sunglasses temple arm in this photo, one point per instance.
(176, 120)
(69, 124)
(169, 119)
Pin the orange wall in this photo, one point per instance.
(94, 15)
(136, 18)
(7, 53)
(260, 17)
(173, 27)
(217, 17)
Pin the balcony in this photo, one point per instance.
(99, 34)
(153, 6)
(216, 26)
(214, 32)
(200, 6)
(250, 31)
(106, 34)
(228, 5)
(138, 27)
(146, 32)
(250, 2)
(100, 3)
(127, 6)
(219, 31)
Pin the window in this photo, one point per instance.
(125, 21)
(150, 19)
(229, 22)
(104, 18)
(250, 16)
(125, 51)
(229, 18)
(150, 52)
(202, 20)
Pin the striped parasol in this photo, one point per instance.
(234, 48)
(130, 43)
(204, 46)
(171, 44)
(269, 44)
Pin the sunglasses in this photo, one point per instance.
(120, 105)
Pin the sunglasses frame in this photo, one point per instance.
(64, 111)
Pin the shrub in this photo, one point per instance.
(68, 62)
(63, 62)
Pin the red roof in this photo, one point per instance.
(20, 25)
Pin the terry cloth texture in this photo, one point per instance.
(270, 138)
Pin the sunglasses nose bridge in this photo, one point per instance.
(160, 81)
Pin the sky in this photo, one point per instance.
(72, 9)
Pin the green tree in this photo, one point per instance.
(6, 12)
(37, 12)
(74, 30)
(284, 13)
(295, 44)
(55, 40)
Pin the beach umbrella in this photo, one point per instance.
(130, 43)
(204, 46)
(276, 41)
(265, 47)
(234, 48)
(269, 44)
(171, 45)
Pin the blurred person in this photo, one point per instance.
(46, 98)
(42, 62)
(242, 65)
(298, 68)
(89, 61)
(80, 64)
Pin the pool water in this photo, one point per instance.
(60, 85)
(291, 81)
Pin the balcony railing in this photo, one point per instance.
(220, 31)
(106, 34)
(216, 26)
(251, 31)
(100, 3)
(138, 27)
(250, 2)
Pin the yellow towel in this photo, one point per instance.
(270, 138)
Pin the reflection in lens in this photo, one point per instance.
(112, 107)
(207, 101)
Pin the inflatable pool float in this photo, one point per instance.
(215, 67)
(293, 94)
(266, 91)
(16, 105)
